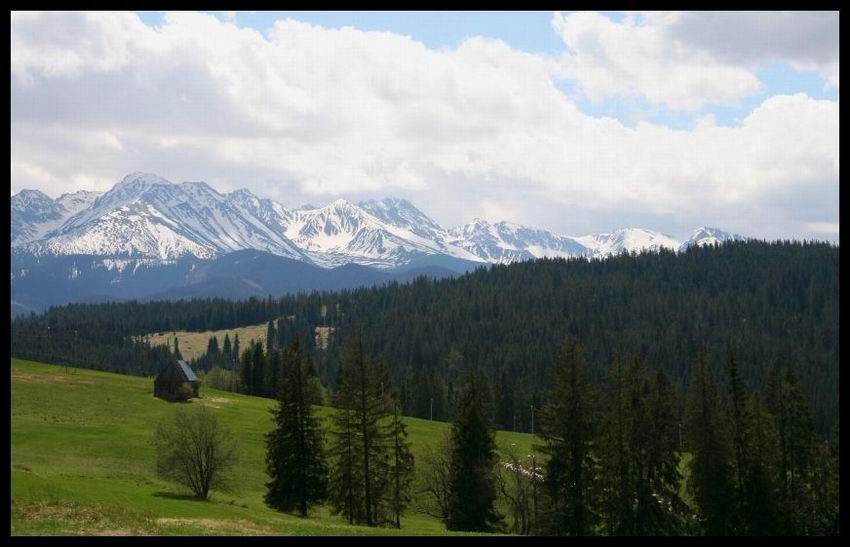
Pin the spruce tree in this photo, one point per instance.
(472, 487)
(568, 431)
(711, 480)
(737, 401)
(614, 451)
(271, 336)
(258, 369)
(177, 354)
(345, 478)
(505, 401)
(212, 346)
(281, 332)
(401, 465)
(759, 513)
(273, 369)
(227, 352)
(294, 449)
(360, 449)
(660, 510)
(245, 371)
(795, 433)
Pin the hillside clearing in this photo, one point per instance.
(82, 462)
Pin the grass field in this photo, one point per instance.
(82, 462)
(194, 344)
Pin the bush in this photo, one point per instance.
(223, 379)
(185, 391)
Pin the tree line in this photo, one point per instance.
(762, 301)
(610, 458)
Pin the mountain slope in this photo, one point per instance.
(627, 240)
(39, 282)
(146, 216)
(505, 242)
(34, 214)
(708, 236)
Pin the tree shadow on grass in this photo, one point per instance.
(176, 496)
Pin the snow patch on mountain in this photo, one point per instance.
(506, 242)
(627, 240)
(709, 236)
(146, 217)
(35, 215)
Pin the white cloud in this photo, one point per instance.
(309, 113)
(638, 56)
(806, 40)
(688, 59)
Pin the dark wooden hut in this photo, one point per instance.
(176, 382)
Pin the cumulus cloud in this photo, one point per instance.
(638, 56)
(306, 113)
(805, 40)
(686, 60)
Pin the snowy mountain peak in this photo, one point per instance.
(627, 240)
(148, 216)
(140, 179)
(341, 204)
(709, 236)
(28, 196)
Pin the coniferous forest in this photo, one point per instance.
(765, 303)
(726, 356)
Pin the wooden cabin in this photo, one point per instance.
(176, 382)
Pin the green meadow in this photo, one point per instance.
(83, 462)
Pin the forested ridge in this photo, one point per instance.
(762, 302)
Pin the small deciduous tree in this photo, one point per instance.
(194, 450)
(521, 488)
(434, 481)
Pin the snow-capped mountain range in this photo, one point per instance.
(147, 217)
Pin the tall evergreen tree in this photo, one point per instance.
(274, 360)
(472, 487)
(227, 352)
(614, 450)
(795, 434)
(258, 369)
(759, 508)
(236, 354)
(401, 465)
(245, 370)
(711, 480)
(294, 449)
(363, 389)
(737, 401)
(660, 509)
(345, 478)
(177, 354)
(505, 411)
(212, 346)
(567, 429)
(271, 336)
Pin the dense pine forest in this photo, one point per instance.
(765, 305)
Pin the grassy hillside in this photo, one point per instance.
(82, 462)
(194, 344)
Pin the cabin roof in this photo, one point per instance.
(187, 371)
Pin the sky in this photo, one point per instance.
(575, 122)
